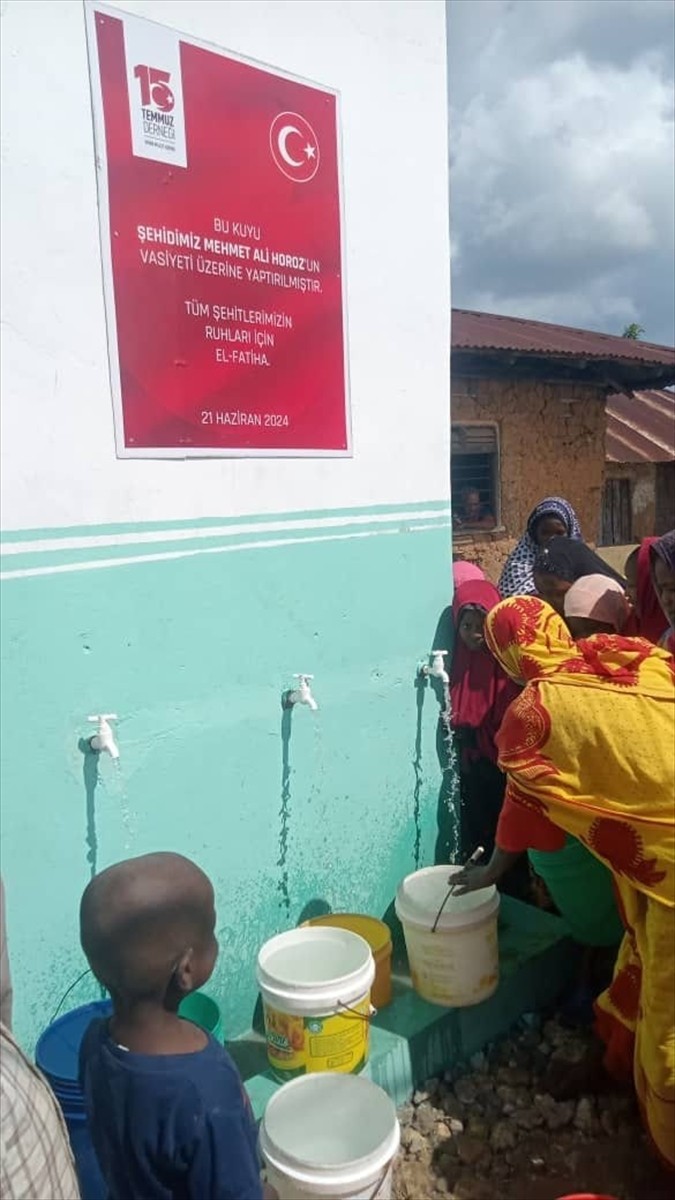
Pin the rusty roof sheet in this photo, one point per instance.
(487, 331)
(641, 427)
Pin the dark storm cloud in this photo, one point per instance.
(562, 160)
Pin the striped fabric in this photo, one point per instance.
(35, 1158)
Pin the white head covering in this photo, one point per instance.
(598, 598)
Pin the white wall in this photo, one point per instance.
(387, 58)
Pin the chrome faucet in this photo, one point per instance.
(302, 694)
(103, 740)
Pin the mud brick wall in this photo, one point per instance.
(552, 443)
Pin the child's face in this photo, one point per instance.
(472, 628)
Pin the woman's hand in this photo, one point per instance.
(472, 877)
(481, 875)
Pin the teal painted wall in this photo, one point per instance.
(193, 653)
(120, 592)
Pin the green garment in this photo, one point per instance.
(582, 890)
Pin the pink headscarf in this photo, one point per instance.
(480, 690)
(464, 572)
(598, 598)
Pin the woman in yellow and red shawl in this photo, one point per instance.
(589, 749)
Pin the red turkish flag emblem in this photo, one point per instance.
(295, 147)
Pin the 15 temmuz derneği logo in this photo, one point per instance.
(157, 102)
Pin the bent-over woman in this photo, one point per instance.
(587, 748)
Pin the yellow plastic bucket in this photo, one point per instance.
(315, 987)
(378, 937)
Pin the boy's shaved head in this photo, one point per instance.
(139, 918)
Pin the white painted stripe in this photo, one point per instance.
(104, 563)
(90, 541)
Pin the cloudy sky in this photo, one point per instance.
(562, 160)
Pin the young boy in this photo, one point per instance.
(167, 1110)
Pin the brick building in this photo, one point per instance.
(528, 420)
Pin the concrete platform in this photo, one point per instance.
(413, 1040)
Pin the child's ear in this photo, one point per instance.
(184, 973)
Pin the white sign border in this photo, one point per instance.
(91, 8)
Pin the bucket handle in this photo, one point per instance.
(67, 992)
(372, 1012)
(378, 1183)
(451, 890)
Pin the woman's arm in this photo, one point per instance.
(482, 875)
(522, 826)
(519, 829)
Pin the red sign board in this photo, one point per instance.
(222, 250)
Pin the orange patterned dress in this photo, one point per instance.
(590, 746)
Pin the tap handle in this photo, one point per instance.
(97, 720)
(434, 653)
(302, 676)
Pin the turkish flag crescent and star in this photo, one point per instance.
(221, 236)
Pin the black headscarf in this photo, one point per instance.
(570, 560)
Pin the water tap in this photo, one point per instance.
(104, 738)
(436, 668)
(302, 694)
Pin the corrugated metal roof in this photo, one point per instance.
(641, 427)
(487, 331)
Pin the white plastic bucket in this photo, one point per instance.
(458, 965)
(330, 1135)
(315, 984)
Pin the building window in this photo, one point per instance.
(474, 473)
(617, 514)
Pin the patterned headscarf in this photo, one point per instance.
(529, 639)
(517, 578)
(531, 642)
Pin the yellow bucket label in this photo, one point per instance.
(302, 1045)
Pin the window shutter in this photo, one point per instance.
(474, 439)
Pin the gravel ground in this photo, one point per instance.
(500, 1129)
